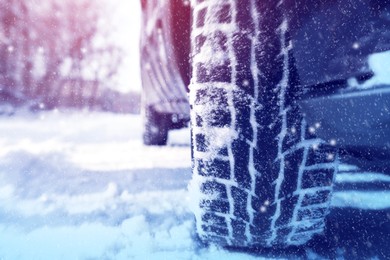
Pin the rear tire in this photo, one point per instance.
(260, 177)
(155, 128)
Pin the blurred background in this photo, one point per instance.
(78, 54)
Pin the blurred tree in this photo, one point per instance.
(55, 52)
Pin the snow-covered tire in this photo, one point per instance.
(155, 128)
(260, 176)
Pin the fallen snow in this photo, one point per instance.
(82, 186)
(379, 63)
(373, 200)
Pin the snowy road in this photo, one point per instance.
(82, 186)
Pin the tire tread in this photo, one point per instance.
(266, 139)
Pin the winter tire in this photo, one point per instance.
(260, 176)
(155, 128)
(164, 49)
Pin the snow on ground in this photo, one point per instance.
(379, 63)
(82, 186)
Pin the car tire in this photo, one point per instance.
(260, 176)
(155, 128)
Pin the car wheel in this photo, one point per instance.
(260, 176)
(155, 128)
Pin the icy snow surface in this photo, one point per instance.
(82, 186)
(379, 63)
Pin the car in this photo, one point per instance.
(165, 73)
(267, 87)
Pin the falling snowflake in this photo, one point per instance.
(330, 157)
(245, 83)
(293, 130)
